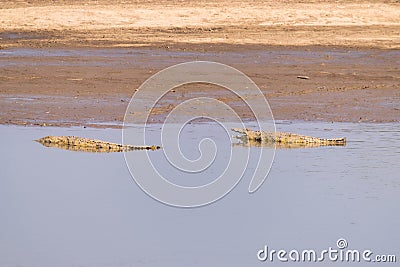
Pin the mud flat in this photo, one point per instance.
(66, 63)
(92, 87)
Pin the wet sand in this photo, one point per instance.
(74, 64)
(91, 86)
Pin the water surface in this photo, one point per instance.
(65, 208)
(139, 57)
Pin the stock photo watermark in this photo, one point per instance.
(136, 124)
(339, 253)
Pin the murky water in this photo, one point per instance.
(152, 57)
(65, 208)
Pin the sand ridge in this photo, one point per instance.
(137, 23)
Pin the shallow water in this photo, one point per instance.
(134, 57)
(64, 208)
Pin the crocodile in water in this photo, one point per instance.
(88, 145)
(285, 140)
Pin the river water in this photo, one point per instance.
(66, 208)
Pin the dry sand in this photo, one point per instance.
(127, 23)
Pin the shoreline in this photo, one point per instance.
(68, 62)
(92, 86)
(280, 124)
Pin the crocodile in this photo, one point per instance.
(249, 138)
(284, 139)
(75, 143)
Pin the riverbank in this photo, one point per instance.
(65, 63)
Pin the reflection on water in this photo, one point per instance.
(252, 143)
(281, 140)
(63, 208)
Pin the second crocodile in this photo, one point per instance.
(287, 140)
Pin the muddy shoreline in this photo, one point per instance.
(63, 63)
(93, 86)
